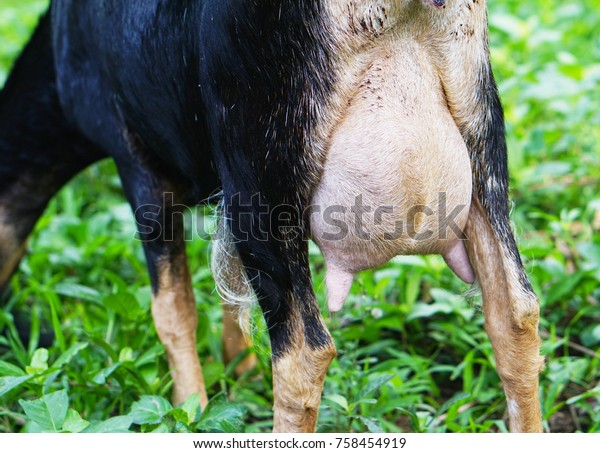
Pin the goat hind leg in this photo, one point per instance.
(511, 314)
(175, 318)
(173, 305)
(301, 346)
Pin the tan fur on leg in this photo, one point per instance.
(511, 322)
(175, 318)
(235, 342)
(11, 250)
(298, 379)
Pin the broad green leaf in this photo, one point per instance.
(422, 310)
(181, 416)
(78, 292)
(33, 428)
(39, 362)
(222, 416)
(161, 429)
(8, 369)
(149, 373)
(150, 356)
(126, 355)
(9, 383)
(150, 410)
(112, 425)
(49, 412)
(74, 423)
(338, 400)
(192, 408)
(212, 372)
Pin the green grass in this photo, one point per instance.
(413, 355)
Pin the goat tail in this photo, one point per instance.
(232, 282)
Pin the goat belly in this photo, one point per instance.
(397, 177)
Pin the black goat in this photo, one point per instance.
(288, 106)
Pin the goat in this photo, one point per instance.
(292, 108)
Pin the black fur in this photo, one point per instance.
(260, 96)
(39, 149)
(190, 97)
(489, 156)
(187, 97)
